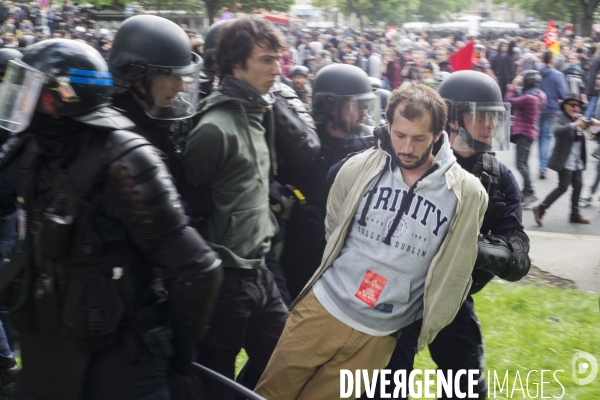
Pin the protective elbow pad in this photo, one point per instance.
(518, 266)
(493, 255)
(143, 192)
(295, 131)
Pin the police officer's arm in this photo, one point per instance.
(504, 252)
(205, 154)
(147, 204)
(295, 131)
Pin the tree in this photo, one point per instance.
(395, 11)
(213, 6)
(388, 11)
(436, 10)
(575, 11)
(184, 5)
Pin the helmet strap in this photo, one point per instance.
(147, 97)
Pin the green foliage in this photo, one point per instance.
(559, 10)
(576, 11)
(437, 10)
(396, 11)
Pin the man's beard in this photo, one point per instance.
(420, 161)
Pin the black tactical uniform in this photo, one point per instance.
(100, 220)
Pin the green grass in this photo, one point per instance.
(527, 328)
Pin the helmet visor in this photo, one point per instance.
(353, 112)
(173, 91)
(482, 127)
(19, 96)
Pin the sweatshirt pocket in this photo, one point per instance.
(250, 231)
(374, 285)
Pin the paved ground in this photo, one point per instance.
(566, 250)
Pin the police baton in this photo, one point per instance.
(247, 393)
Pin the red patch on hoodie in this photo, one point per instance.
(371, 287)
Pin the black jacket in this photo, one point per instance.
(565, 135)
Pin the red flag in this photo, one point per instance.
(551, 38)
(461, 60)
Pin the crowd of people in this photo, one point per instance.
(168, 198)
(424, 57)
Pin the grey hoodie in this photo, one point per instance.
(377, 288)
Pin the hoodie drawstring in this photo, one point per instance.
(406, 201)
(363, 215)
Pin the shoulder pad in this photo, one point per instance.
(144, 194)
(105, 148)
(121, 142)
(12, 148)
(106, 118)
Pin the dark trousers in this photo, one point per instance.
(565, 178)
(523, 146)
(457, 346)
(249, 314)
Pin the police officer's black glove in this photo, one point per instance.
(186, 387)
(495, 256)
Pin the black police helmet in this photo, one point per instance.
(531, 79)
(6, 55)
(210, 48)
(145, 40)
(472, 87)
(299, 70)
(339, 81)
(79, 79)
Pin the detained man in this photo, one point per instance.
(401, 218)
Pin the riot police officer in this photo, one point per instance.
(98, 215)
(478, 124)
(343, 105)
(156, 85)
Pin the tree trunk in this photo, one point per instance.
(588, 7)
(211, 10)
(586, 25)
(360, 19)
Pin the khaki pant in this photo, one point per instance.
(312, 350)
